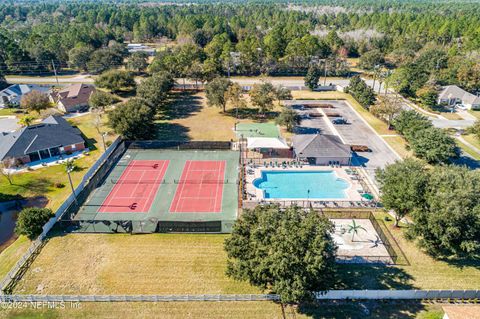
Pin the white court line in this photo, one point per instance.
(159, 173)
(187, 164)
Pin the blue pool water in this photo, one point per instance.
(301, 184)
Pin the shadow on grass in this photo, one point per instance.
(466, 160)
(362, 309)
(172, 132)
(183, 105)
(38, 186)
(463, 263)
(252, 114)
(355, 276)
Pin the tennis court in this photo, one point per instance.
(148, 187)
(136, 188)
(201, 187)
(257, 130)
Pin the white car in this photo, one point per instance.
(461, 107)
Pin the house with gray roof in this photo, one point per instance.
(451, 95)
(319, 149)
(11, 96)
(51, 138)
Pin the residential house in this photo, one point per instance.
(319, 149)
(11, 96)
(73, 98)
(52, 137)
(452, 95)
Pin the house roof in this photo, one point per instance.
(15, 92)
(266, 142)
(318, 145)
(453, 91)
(76, 94)
(54, 131)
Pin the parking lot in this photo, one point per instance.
(356, 132)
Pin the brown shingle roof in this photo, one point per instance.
(76, 94)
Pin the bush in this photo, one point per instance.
(59, 185)
(31, 220)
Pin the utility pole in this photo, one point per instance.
(325, 72)
(55, 71)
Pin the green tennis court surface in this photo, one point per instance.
(193, 186)
(257, 130)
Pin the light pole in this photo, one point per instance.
(103, 141)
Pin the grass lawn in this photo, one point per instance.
(126, 264)
(472, 139)
(475, 113)
(190, 118)
(257, 310)
(467, 149)
(41, 183)
(9, 112)
(397, 143)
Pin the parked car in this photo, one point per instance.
(339, 120)
(360, 148)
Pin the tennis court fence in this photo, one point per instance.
(180, 145)
(67, 210)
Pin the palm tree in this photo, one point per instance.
(70, 167)
(26, 120)
(354, 228)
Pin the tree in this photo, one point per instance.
(370, 59)
(31, 220)
(354, 228)
(433, 145)
(26, 120)
(282, 93)
(79, 56)
(289, 252)
(215, 92)
(402, 186)
(100, 100)
(104, 59)
(361, 92)
(475, 129)
(262, 95)
(234, 95)
(3, 81)
(133, 120)
(6, 167)
(116, 81)
(408, 122)
(155, 90)
(312, 77)
(386, 109)
(35, 101)
(428, 96)
(138, 61)
(288, 118)
(447, 223)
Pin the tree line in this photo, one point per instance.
(244, 38)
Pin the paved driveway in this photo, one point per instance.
(8, 124)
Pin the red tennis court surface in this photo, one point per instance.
(136, 188)
(200, 188)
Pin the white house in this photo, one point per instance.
(451, 95)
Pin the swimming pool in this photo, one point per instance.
(302, 184)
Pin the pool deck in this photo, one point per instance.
(352, 193)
